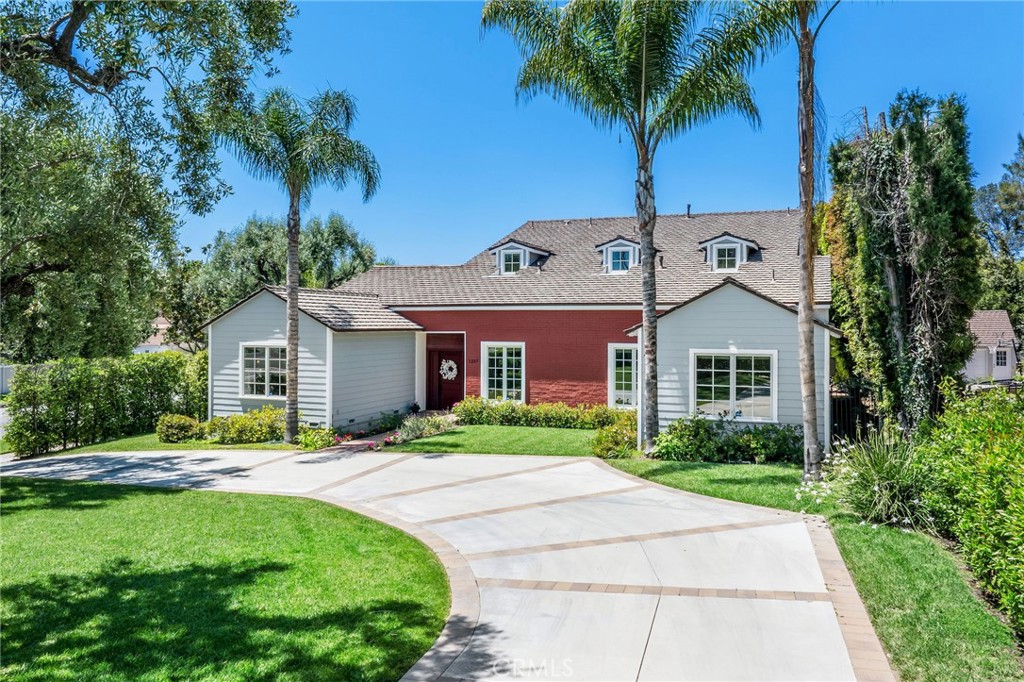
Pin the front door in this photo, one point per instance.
(445, 381)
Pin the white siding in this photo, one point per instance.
(731, 318)
(982, 365)
(373, 372)
(259, 320)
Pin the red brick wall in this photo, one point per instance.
(566, 350)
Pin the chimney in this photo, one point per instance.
(687, 210)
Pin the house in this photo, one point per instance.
(156, 343)
(996, 347)
(547, 313)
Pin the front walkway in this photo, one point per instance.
(564, 568)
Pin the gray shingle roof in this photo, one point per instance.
(345, 311)
(992, 328)
(573, 274)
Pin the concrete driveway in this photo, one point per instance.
(567, 569)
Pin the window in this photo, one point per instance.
(736, 384)
(264, 371)
(1000, 358)
(622, 375)
(621, 260)
(511, 262)
(503, 370)
(726, 257)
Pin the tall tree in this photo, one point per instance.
(1000, 210)
(301, 145)
(109, 59)
(904, 240)
(656, 69)
(772, 24)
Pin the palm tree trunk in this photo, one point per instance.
(291, 409)
(646, 216)
(805, 310)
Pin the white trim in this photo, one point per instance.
(330, 377)
(420, 368)
(641, 391)
(582, 306)
(827, 388)
(732, 353)
(483, 364)
(612, 347)
(209, 372)
(465, 364)
(242, 345)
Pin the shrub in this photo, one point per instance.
(698, 439)
(316, 439)
(475, 410)
(257, 426)
(178, 428)
(388, 421)
(617, 440)
(76, 402)
(880, 479)
(976, 458)
(420, 427)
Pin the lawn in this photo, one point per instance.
(109, 583)
(504, 440)
(930, 621)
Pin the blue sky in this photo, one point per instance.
(463, 162)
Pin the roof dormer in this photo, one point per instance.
(727, 252)
(511, 256)
(618, 255)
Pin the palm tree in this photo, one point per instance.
(302, 145)
(653, 67)
(770, 24)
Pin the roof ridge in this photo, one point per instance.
(788, 210)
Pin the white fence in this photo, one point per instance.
(6, 372)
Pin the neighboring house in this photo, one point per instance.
(548, 313)
(156, 342)
(996, 347)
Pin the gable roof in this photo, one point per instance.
(730, 281)
(727, 236)
(573, 274)
(341, 311)
(992, 328)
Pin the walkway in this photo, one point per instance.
(564, 568)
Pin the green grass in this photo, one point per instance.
(108, 583)
(929, 619)
(504, 440)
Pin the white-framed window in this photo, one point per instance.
(739, 384)
(264, 371)
(1000, 358)
(620, 260)
(503, 366)
(622, 375)
(726, 257)
(511, 262)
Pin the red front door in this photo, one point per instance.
(445, 380)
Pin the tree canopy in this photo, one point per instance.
(111, 60)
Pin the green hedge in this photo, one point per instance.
(697, 439)
(72, 402)
(975, 457)
(474, 411)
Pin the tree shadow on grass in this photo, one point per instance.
(128, 622)
(34, 494)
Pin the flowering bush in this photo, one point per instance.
(257, 426)
(698, 439)
(476, 410)
(420, 427)
(617, 440)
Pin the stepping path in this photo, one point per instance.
(567, 569)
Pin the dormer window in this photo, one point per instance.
(727, 252)
(726, 257)
(621, 259)
(619, 255)
(511, 256)
(512, 262)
